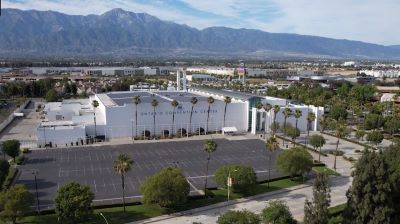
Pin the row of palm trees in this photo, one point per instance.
(154, 103)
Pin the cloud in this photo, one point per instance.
(365, 20)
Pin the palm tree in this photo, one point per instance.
(340, 132)
(297, 114)
(210, 146)
(227, 101)
(276, 111)
(136, 101)
(267, 107)
(310, 119)
(287, 112)
(95, 104)
(122, 165)
(271, 145)
(154, 104)
(210, 101)
(174, 104)
(193, 101)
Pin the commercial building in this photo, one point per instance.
(74, 121)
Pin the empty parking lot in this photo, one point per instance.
(93, 166)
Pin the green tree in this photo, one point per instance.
(295, 161)
(174, 104)
(324, 123)
(167, 188)
(51, 96)
(369, 197)
(95, 104)
(271, 145)
(292, 132)
(227, 101)
(338, 112)
(12, 148)
(15, 203)
(154, 104)
(73, 203)
(4, 168)
(277, 212)
(375, 137)
(74, 89)
(317, 141)
(360, 133)
(209, 147)
(122, 165)
(392, 126)
(373, 121)
(392, 159)
(244, 178)
(210, 101)
(316, 212)
(193, 101)
(239, 217)
(136, 100)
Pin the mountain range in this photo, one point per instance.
(123, 33)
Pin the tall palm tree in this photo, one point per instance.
(174, 104)
(227, 101)
(287, 112)
(267, 107)
(271, 145)
(122, 165)
(95, 104)
(297, 114)
(210, 146)
(154, 104)
(193, 101)
(340, 132)
(310, 119)
(276, 109)
(136, 100)
(210, 101)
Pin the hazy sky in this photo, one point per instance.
(375, 21)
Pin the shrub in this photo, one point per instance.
(244, 177)
(242, 217)
(295, 161)
(167, 188)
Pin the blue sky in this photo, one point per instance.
(375, 21)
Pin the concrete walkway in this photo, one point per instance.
(294, 198)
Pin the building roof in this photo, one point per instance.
(122, 98)
(230, 93)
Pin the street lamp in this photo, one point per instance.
(229, 183)
(103, 217)
(35, 173)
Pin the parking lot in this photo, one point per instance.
(93, 166)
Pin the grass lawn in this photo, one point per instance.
(325, 170)
(139, 212)
(335, 214)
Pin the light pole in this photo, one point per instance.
(103, 217)
(229, 183)
(35, 173)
